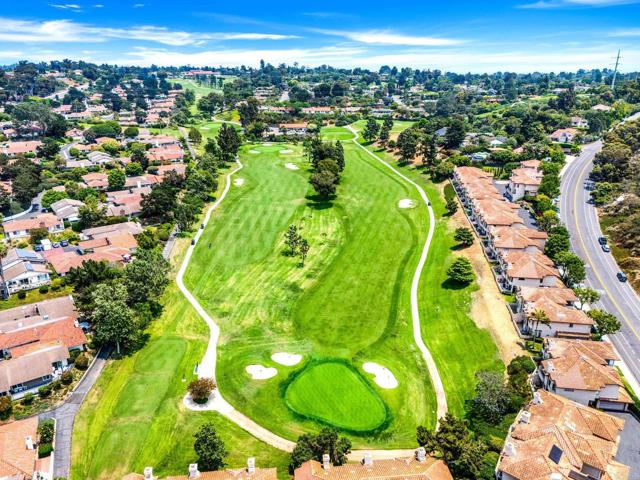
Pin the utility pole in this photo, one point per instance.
(615, 72)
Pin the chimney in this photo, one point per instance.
(367, 461)
(326, 461)
(421, 454)
(193, 471)
(148, 473)
(251, 465)
(537, 398)
(28, 441)
(509, 449)
(525, 417)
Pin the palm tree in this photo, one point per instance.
(538, 317)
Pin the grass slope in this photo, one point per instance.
(459, 347)
(133, 417)
(350, 301)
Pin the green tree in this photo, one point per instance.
(131, 132)
(6, 407)
(228, 142)
(117, 179)
(313, 447)
(493, 397)
(464, 236)
(455, 134)
(201, 389)
(451, 206)
(112, 319)
(550, 185)
(606, 323)
(48, 149)
(195, 136)
(557, 243)
(210, 103)
(586, 296)
(133, 169)
(324, 183)
(304, 250)
(52, 196)
(292, 239)
(92, 214)
(548, 220)
(536, 318)
(210, 448)
(461, 271)
(38, 234)
(371, 130)
(146, 277)
(571, 267)
(385, 134)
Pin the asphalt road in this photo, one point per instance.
(581, 219)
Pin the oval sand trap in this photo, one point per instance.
(288, 359)
(260, 372)
(267, 144)
(286, 151)
(238, 182)
(291, 166)
(383, 376)
(254, 151)
(406, 203)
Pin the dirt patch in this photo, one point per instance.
(489, 309)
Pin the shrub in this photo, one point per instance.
(6, 407)
(201, 389)
(45, 391)
(56, 284)
(46, 430)
(27, 399)
(56, 385)
(43, 288)
(44, 450)
(67, 377)
(82, 362)
(22, 294)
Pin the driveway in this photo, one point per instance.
(65, 415)
(629, 449)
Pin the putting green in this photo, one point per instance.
(336, 394)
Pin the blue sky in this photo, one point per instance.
(461, 36)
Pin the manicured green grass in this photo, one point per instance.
(350, 301)
(338, 395)
(134, 417)
(459, 347)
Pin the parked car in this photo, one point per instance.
(64, 243)
(621, 276)
(38, 248)
(202, 225)
(606, 248)
(193, 242)
(602, 240)
(55, 244)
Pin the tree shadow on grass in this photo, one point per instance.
(449, 284)
(316, 202)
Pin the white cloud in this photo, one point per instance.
(66, 31)
(550, 4)
(629, 32)
(66, 6)
(138, 5)
(98, 5)
(385, 37)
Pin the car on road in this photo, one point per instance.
(602, 240)
(64, 243)
(621, 276)
(38, 248)
(606, 248)
(55, 245)
(193, 242)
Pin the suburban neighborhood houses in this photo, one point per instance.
(336, 242)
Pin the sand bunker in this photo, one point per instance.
(286, 151)
(383, 377)
(291, 166)
(260, 372)
(288, 359)
(406, 203)
(254, 151)
(267, 144)
(238, 182)
(204, 128)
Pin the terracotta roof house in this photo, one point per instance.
(602, 108)
(12, 149)
(579, 122)
(583, 371)
(524, 181)
(567, 322)
(146, 180)
(420, 467)
(18, 452)
(529, 269)
(560, 295)
(96, 180)
(125, 205)
(23, 270)
(21, 228)
(133, 228)
(178, 168)
(502, 240)
(251, 472)
(556, 438)
(563, 135)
